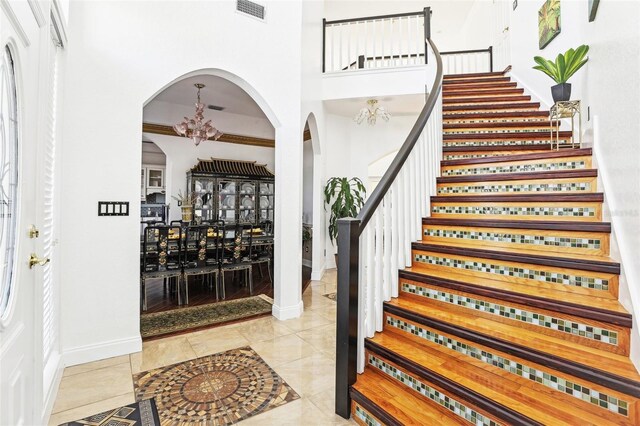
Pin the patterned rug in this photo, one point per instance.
(183, 319)
(331, 296)
(219, 389)
(143, 413)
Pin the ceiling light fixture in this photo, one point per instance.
(372, 113)
(194, 128)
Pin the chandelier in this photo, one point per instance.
(372, 113)
(194, 128)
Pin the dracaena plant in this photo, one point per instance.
(345, 198)
(565, 65)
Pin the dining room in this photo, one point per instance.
(207, 208)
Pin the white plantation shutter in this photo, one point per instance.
(48, 230)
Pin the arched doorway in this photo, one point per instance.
(227, 186)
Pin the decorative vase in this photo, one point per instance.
(187, 213)
(561, 92)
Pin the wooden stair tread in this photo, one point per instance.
(604, 227)
(498, 388)
(472, 107)
(605, 309)
(461, 81)
(452, 94)
(473, 100)
(404, 407)
(584, 358)
(508, 114)
(539, 175)
(568, 152)
(479, 86)
(505, 148)
(499, 124)
(506, 135)
(596, 197)
(522, 255)
(471, 75)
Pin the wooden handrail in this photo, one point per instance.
(349, 232)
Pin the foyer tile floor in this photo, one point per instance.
(301, 351)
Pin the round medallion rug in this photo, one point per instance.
(217, 389)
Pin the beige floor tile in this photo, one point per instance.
(296, 413)
(283, 349)
(308, 319)
(159, 353)
(216, 340)
(91, 409)
(330, 312)
(81, 368)
(315, 303)
(323, 338)
(325, 401)
(93, 386)
(263, 329)
(310, 375)
(330, 276)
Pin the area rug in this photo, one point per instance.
(331, 296)
(142, 413)
(219, 389)
(190, 318)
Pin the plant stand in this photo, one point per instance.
(565, 109)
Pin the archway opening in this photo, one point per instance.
(207, 208)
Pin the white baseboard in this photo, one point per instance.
(317, 275)
(289, 312)
(103, 350)
(52, 392)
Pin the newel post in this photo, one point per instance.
(347, 319)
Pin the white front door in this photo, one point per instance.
(28, 291)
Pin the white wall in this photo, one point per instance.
(307, 180)
(115, 62)
(609, 86)
(351, 148)
(312, 111)
(455, 25)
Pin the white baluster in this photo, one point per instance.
(378, 270)
(388, 247)
(370, 320)
(395, 238)
(402, 241)
(407, 215)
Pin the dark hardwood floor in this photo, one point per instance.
(199, 293)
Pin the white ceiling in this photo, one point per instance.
(218, 91)
(396, 105)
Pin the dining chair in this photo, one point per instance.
(161, 257)
(236, 252)
(201, 256)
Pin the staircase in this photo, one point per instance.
(509, 314)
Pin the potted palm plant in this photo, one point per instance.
(345, 198)
(562, 69)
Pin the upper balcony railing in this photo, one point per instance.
(385, 41)
(391, 41)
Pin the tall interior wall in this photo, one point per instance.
(609, 89)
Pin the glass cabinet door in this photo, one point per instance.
(202, 189)
(227, 193)
(247, 205)
(266, 201)
(155, 178)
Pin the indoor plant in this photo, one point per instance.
(185, 201)
(562, 69)
(345, 198)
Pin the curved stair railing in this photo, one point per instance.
(375, 245)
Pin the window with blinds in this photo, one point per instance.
(48, 226)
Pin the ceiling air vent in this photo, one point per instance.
(250, 8)
(215, 107)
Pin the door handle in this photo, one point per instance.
(35, 260)
(505, 29)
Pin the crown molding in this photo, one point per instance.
(161, 129)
